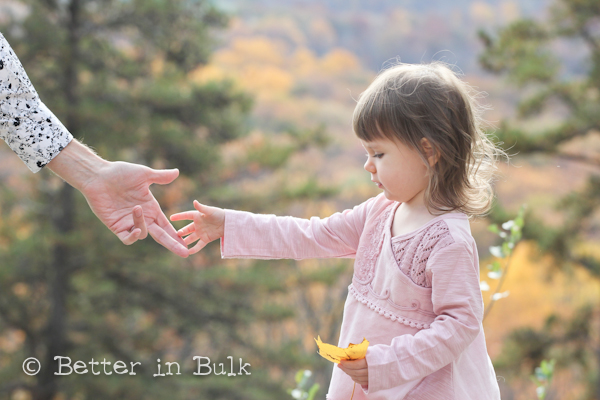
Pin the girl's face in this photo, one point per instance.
(397, 169)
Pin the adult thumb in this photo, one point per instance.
(164, 176)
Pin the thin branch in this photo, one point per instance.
(502, 279)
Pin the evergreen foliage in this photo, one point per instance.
(525, 52)
(117, 74)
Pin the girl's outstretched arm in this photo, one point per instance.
(248, 235)
(267, 237)
(208, 225)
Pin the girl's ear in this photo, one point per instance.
(429, 151)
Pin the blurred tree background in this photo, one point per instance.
(524, 53)
(252, 101)
(117, 73)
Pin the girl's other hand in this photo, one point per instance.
(357, 370)
(208, 225)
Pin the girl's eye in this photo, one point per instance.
(378, 155)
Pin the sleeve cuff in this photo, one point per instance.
(38, 138)
(383, 370)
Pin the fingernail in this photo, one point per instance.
(138, 212)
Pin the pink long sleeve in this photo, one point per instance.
(458, 304)
(262, 236)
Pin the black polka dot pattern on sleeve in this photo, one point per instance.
(29, 128)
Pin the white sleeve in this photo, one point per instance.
(29, 128)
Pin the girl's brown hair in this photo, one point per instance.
(409, 102)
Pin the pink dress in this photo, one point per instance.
(415, 297)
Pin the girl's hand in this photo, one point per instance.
(208, 225)
(357, 370)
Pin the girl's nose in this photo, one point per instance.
(369, 166)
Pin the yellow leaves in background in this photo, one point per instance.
(535, 293)
(255, 50)
(305, 61)
(338, 61)
(336, 354)
(207, 73)
(271, 68)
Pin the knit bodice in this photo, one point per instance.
(390, 274)
(412, 251)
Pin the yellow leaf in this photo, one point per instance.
(336, 354)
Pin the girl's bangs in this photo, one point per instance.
(370, 122)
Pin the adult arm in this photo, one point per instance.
(112, 190)
(458, 305)
(29, 128)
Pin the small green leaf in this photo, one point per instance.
(539, 374)
(506, 249)
(299, 376)
(493, 228)
(313, 391)
(515, 237)
(495, 266)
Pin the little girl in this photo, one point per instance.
(415, 290)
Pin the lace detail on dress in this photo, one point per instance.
(365, 264)
(386, 313)
(413, 253)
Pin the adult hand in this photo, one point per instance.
(118, 193)
(120, 197)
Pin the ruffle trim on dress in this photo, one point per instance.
(386, 313)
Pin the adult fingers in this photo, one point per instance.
(163, 238)
(163, 176)
(164, 223)
(129, 238)
(139, 222)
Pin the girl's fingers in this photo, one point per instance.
(199, 246)
(198, 206)
(186, 230)
(186, 215)
(191, 238)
